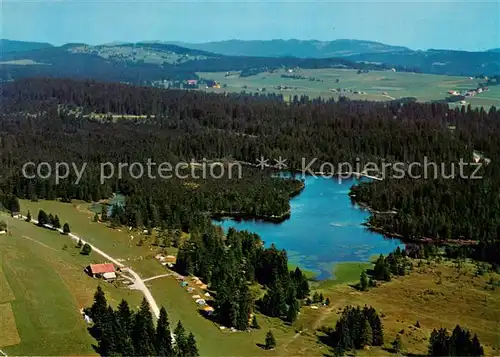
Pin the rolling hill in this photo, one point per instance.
(7, 46)
(295, 48)
(143, 63)
(150, 62)
(433, 61)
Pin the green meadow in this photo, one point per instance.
(378, 85)
(43, 287)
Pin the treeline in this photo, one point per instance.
(229, 265)
(360, 327)
(459, 343)
(123, 332)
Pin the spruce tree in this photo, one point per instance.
(86, 249)
(14, 205)
(42, 218)
(477, 349)
(270, 341)
(293, 311)
(163, 338)
(28, 217)
(125, 316)
(66, 229)
(363, 281)
(315, 298)
(107, 339)
(104, 213)
(99, 312)
(143, 332)
(255, 323)
(191, 348)
(366, 337)
(57, 223)
(180, 340)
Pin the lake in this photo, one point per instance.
(325, 228)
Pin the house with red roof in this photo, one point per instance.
(106, 271)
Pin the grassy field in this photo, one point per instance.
(42, 289)
(116, 242)
(437, 295)
(424, 87)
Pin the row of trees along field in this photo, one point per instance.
(123, 332)
(359, 327)
(230, 264)
(47, 120)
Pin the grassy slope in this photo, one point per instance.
(49, 287)
(425, 87)
(179, 304)
(460, 298)
(117, 243)
(437, 295)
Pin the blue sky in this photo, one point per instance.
(466, 24)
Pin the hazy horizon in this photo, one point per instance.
(450, 24)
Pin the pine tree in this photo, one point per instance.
(99, 312)
(270, 341)
(477, 349)
(191, 348)
(80, 243)
(42, 218)
(66, 229)
(104, 213)
(163, 338)
(363, 281)
(57, 223)
(327, 301)
(125, 316)
(255, 323)
(14, 206)
(315, 298)
(50, 219)
(107, 339)
(366, 337)
(180, 339)
(293, 311)
(143, 332)
(377, 329)
(28, 217)
(86, 249)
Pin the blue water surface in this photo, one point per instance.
(325, 228)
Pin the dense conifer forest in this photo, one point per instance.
(124, 332)
(50, 120)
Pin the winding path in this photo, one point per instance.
(138, 282)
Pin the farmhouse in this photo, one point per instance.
(106, 271)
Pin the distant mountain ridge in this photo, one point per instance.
(150, 61)
(7, 46)
(435, 61)
(294, 48)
